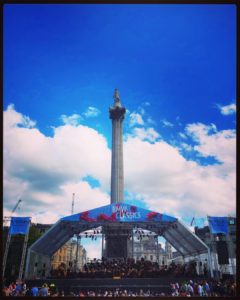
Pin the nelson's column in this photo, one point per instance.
(116, 234)
(117, 113)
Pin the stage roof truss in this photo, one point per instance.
(168, 227)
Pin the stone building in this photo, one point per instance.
(70, 255)
(148, 247)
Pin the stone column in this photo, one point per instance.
(117, 113)
(116, 235)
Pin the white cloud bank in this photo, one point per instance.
(45, 171)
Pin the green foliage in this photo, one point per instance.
(34, 235)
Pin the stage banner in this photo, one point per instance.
(218, 225)
(19, 225)
(120, 212)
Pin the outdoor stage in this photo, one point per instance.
(118, 215)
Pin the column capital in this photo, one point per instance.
(117, 113)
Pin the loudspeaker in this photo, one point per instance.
(222, 252)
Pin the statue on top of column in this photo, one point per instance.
(116, 98)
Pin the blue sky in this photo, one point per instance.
(175, 68)
(59, 59)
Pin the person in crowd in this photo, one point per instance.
(12, 288)
(52, 289)
(18, 289)
(81, 294)
(24, 288)
(206, 288)
(34, 291)
(6, 291)
(190, 289)
(200, 290)
(44, 291)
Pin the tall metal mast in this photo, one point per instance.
(72, 211)
(73, 196)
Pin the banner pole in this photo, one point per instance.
(78, 239)
(6, 251)
(132, 244)
(24, 253)
(102, 242)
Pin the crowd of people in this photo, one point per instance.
(19, 288)
(191, 288)
(128, 268)
(125, 268)
(204, 288)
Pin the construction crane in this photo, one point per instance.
(7, 219)
(16, 206)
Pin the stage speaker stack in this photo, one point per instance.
(222, 252)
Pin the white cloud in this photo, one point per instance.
(182, 135)
(45, 171)
(227, 109)
(40, 170)
(167, 182)
(166, 123)
(74, 119)
(135, 119)
(219, 144)
(91, 112)
(186, 147)
(12, 118)
(150, 121)
(146, 134)
(141, 110)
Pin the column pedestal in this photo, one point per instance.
(117, 240)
